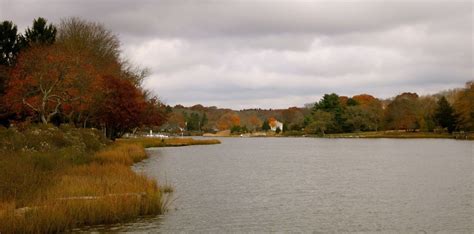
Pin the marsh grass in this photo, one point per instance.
(54, 179)
(169, 142)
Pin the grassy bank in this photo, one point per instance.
(401, 135)
(54, 179)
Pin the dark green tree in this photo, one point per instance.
(9, 43)
(322, 121)
(193, 121)
(331, 103)
(444, 115)
(266, 125)
(204, 121)
(352, 102)
(40, 33)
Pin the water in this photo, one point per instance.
(317, 185)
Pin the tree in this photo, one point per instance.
(292, 115)
(266, 125)
(193, 122)
(154, 113)
(44, 79)
(444, 115)
(322, 121)
(204, 121)
(331, 103)
(40, 33)
(371, 108)
(228, 120)
(425, 113)
(102, 46)
(357, 118)
(255, 122)
(401, 113)
(9, 43)
(121, 105)
(464, 108)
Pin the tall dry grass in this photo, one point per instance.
(55, 179)
(58, 188)
(169, 142)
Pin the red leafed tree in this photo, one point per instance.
(154, 113)
(120, 106)
(44, 79)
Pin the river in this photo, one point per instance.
(314, 185)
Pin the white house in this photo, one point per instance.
(274, 125)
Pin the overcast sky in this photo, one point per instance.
(276, 54)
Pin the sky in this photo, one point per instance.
(276, 54)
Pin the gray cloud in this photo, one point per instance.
(273, 54)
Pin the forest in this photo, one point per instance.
(446, 111)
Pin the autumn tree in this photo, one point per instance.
(464, 108)
(103, 47)
(228, 120)
(154, 113)
(401, 113)
(292, 117)
(371, 108)
(43, 80)
(255, 122)
(121, 106)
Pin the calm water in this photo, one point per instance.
(321, 185)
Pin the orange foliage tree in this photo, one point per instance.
(464, 107)
(228, 120)
(46, 78)
(401, 113)
(120, 106)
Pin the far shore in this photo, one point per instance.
(373, 134)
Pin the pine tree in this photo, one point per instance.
(444, 115)
(40, 33)
(9, 43)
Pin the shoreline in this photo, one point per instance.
(103, 191)
(368, 135)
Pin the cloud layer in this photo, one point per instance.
(275, 54)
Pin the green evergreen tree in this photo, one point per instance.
(40, 33)
(266, 126)
(9, 43)
(444, 115)
(330, 103)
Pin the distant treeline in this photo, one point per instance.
(446, 111)
(72, 73)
